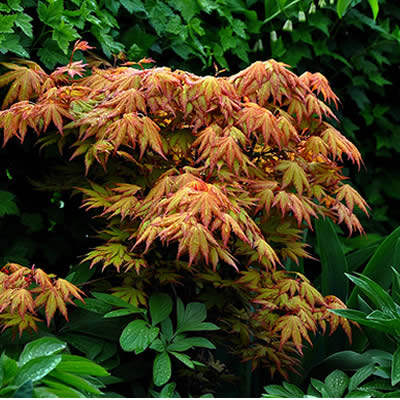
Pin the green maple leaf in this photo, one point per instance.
(7, 204)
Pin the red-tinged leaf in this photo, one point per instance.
(68, 290)
(225, 256)
(97, 197)
(251, 278)
(131, 295)
(338, 144)
(316, 146)
(125, 203)
(312, 295)
(112, 253)
(53, 112)
(334, 320)
(26, 81)
(150, 137)
(228, 150)
(51, 305)
(42, 279)
(265, 252)
(81, 45)
(127, 101)
(254, 119)
(16, 120)
(351, 196)
(298, 109)
(319, 84)
(72, 69)
(294, 175)
(346, 216)
(18, 299)
(291, 327)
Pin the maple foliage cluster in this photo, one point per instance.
(23, 291)
(207, 180)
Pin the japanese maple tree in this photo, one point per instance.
(207, 181)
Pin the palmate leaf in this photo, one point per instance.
(116, 254)
(351, 196)
(224, 171)
(318, 83)
(130, 295)
(7, 204)
(8, 320)
(16, 120)
(18, 299)
(294, 175)
(53, 112)
(292, 327)
(26, 80)
(256, 119)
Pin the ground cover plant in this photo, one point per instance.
(202, 187)
(371, 367)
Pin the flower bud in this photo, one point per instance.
(301, 16)
(312, 9)
(288, 27)
(273, 36)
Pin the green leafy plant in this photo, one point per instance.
(384, 314)
(338, 384)
(45, 369)
(157, 333)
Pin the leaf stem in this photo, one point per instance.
(279, 11)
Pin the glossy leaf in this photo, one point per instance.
(161, 369)
(41, 347)
(80, 366)
(37, 368)
(137, 336)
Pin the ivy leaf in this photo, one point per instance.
(187, 8)
(12, 43)
(63, 34)
(7, 204)
(134, 6)
(52, 13)
(160, 15)
(161, 369)
(23, 21)
(51, 55)
(107, 42)
(7, 22)
(15, 5)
